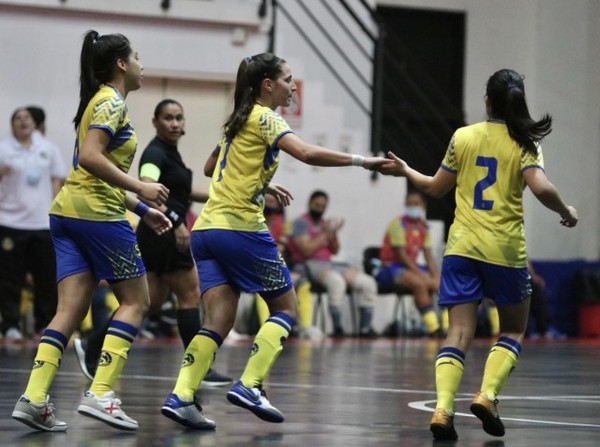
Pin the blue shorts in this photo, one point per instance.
(464, 280)
(107, 249)
(389, 275)
(250, 262)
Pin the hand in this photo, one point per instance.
(373, 163)
(395, 166)
(282, 195)
(334, 225)
(154, 193)
(182, 238)
(570, 218)
(157, 221)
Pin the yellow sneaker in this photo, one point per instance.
(486, 410)
(442, 425)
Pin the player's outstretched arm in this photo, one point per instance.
(549, 196)
(436, 186)
(319, 156)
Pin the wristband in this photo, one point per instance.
(141, 209)
(174, 217)
(357, 160)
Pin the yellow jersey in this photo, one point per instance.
(85, 196)
(244, 169)
(488, 221)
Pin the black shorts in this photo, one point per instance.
(159, 253)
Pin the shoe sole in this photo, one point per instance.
(172, 414)
(214, 383)
(491, 425)
(27, 419)
(113, 422)
(260, 413)
(443, 432)
(80, 354)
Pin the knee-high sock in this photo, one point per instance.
(430, 319)
(305, 304)
(502, 359)
(197, 360)
(449, 367)
(117, 342)
(188, 323)
(46, 363)
(262, 309)
(267, 346)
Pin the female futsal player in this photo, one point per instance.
(490, 163)
(232, 245)
(93, 239)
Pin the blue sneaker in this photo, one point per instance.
(255, 400)
(188, 414)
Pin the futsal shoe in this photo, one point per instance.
(254, 400)
(38, 416)
(486, 410)
(188, 414)
(88, 370)
(213, 379)
(442, 425)
(106, 409)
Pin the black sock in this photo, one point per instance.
(188, 322)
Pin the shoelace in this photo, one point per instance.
(197, 405)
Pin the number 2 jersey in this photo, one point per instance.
(488, 221)
(244, 169)
(85, 196)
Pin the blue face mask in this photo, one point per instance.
(414, 212)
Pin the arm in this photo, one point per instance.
(308, 247)
(199, 195)
(437, 186)
(211, 162)
(319, 156)
(57, 183)
(92, 159)
(151, 216)
(549, 196)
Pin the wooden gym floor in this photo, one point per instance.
(334, 393)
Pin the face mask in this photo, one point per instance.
(315, 215)
(415, 212)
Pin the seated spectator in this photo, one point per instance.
(539, 321)
(406, 237)
(312, 243)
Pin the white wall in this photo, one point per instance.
(554, 42)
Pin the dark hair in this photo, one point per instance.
(20, 109)
(412, 191)
(251, 72)
(161, 105)
(38, 114)
(97, 64)
(318, 193)
(506, 93)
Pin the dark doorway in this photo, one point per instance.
(421, 89)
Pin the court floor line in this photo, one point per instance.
(422, 405)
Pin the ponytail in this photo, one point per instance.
(251, 72)
(97, 62)
(506, 93)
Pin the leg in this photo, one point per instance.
(33, 408)
(419, 286)
(268, 344)
(335, 284)
(12, 277)
(366, 288)
(42, 266)
(184, 283)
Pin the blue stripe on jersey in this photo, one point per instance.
(273, 151)
(447, 169)
(120, 138)
(106, 129)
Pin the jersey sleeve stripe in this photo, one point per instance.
(447, 169)
(532, 166)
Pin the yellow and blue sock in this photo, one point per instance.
(305, 304)
(197, 360)
(117, 342)
(46, 363)
(266, 348)
(502, 359)
(449, 367)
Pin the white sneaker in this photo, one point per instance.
(312, 333)
(106, 409)
(13, 334)
(38, 416)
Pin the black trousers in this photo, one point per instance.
(23, 251)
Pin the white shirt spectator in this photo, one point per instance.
(26, 190)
